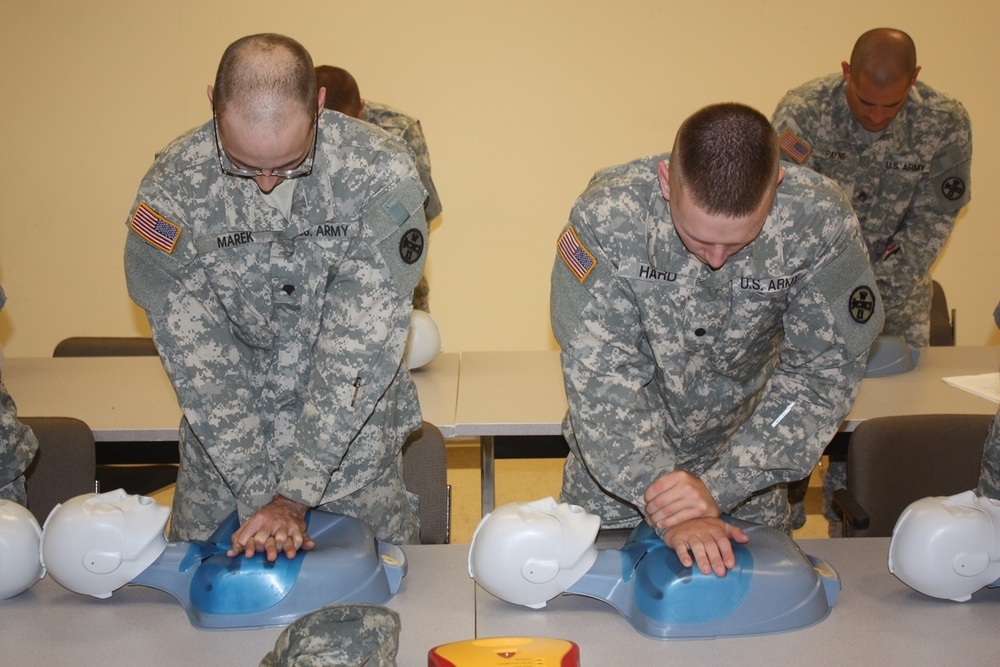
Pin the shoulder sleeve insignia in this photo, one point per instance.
(794, 147)
(862, 303)
(577, 257)
(156, 229)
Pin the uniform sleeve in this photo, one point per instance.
(17, 444)
(363, 332)
(414, 138)
(989, 475)
(615, 414)
(790, 116)
(200, 350)
(931, 215)
(17, 449)
(834, 314)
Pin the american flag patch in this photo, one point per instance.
(794, 147)
(577, 258)
(156, 229)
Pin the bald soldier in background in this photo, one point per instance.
(275, 250)
(714, 310)
(902, 152)
(343, 95)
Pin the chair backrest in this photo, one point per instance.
(64, 464)
(425, 473)
(893, 461)
(105, 346)
(942, 320)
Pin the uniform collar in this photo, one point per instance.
(667, 253)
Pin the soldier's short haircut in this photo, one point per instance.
(884, 55)
(728, 159)
(342, 92)
(264, 77)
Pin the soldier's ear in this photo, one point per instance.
(321, 99)
(663, 176)
(210, 92)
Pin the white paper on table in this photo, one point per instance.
(986, 385)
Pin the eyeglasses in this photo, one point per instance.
(230, 169)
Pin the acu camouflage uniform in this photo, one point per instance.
(349, 635)
(739, 376)
(17, 444)
(284, 338)
(407, 129)
(989, 474)
(906, 187)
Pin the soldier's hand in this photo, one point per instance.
(708, 541)
(279, 526)
(676, 497)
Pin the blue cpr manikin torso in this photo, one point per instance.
(774, 587)
(348, 565)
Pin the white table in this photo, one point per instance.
(521, 393)
(922, 391)
(48, 625)
(130, 399)
(877, 620)
(508, 393)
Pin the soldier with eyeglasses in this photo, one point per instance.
(275, 250)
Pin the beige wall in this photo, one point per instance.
(521, 102)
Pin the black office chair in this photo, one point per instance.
(63, 467)
(893, 461)
(124, 466)
(425, 473)
(942, 320)
(105, 346)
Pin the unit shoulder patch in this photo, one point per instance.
(578, 259)
(411, 245)
(862, 304)
(794, 147)
(953, 188)
(154, 228)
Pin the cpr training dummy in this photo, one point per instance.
(529, 553)
(423, 342)
(948, 547)
(96, 543)
(20, 539)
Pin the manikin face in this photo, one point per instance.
(141, 519)
(947, 547)
(529, 553)
(574, 529)
(20, 540)
(712, 239)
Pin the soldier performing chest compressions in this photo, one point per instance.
(714, 310)
(275, 250)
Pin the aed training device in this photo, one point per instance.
(506, 652)
(348, 565)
